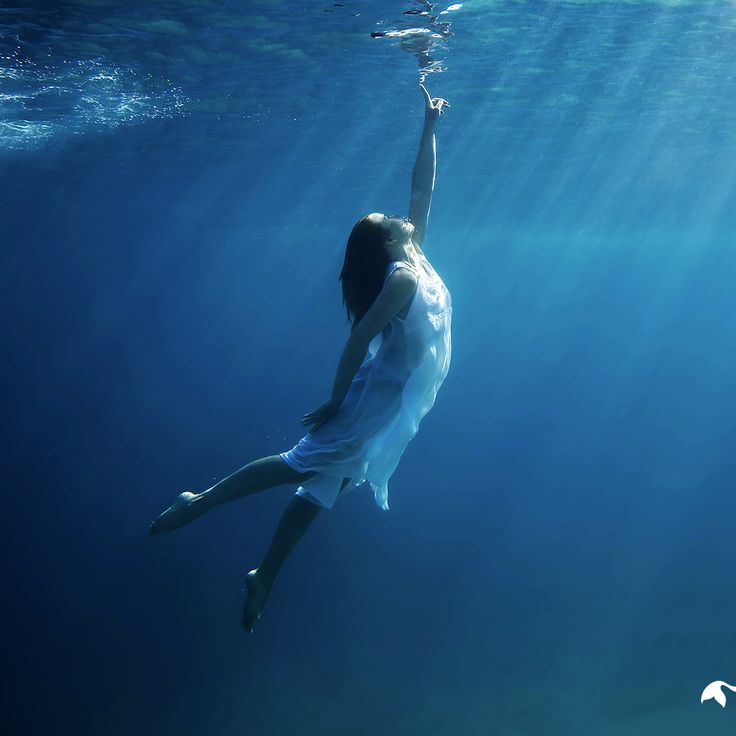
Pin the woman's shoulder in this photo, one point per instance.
(403, 265)
(400, 264)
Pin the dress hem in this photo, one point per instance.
(288, 461)
(322, 501)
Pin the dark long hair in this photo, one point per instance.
(364, 269)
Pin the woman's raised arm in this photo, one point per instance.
(422, 180)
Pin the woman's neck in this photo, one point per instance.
(402, 251)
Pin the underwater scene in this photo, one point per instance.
(463, 273)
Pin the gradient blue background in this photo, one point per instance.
(559, 553)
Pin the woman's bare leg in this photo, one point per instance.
(266, 472)
(296, 519)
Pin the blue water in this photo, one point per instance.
(177, 182)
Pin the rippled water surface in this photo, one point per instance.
(70, 67)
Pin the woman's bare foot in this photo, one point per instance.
(180, 513)
(259, 586)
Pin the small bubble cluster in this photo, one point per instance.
(56, 99)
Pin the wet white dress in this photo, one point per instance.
(391, 392)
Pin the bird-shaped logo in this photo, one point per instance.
(714, 691)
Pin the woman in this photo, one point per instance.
(391, 368)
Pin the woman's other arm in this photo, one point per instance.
(422, 180)
(398, 290)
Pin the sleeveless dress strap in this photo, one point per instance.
(393, 266)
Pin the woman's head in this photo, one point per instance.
(399, 229)
(374, 242)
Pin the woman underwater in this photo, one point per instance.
(394, 361)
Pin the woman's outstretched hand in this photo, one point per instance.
(433, 105)
(321, 415)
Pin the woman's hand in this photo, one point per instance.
(432, 106)
(319, 416)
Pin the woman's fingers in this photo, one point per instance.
(434, 103)
(316, 423)
(319, 416)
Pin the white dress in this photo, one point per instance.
(392, 390)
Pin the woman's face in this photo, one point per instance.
(399, 229)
